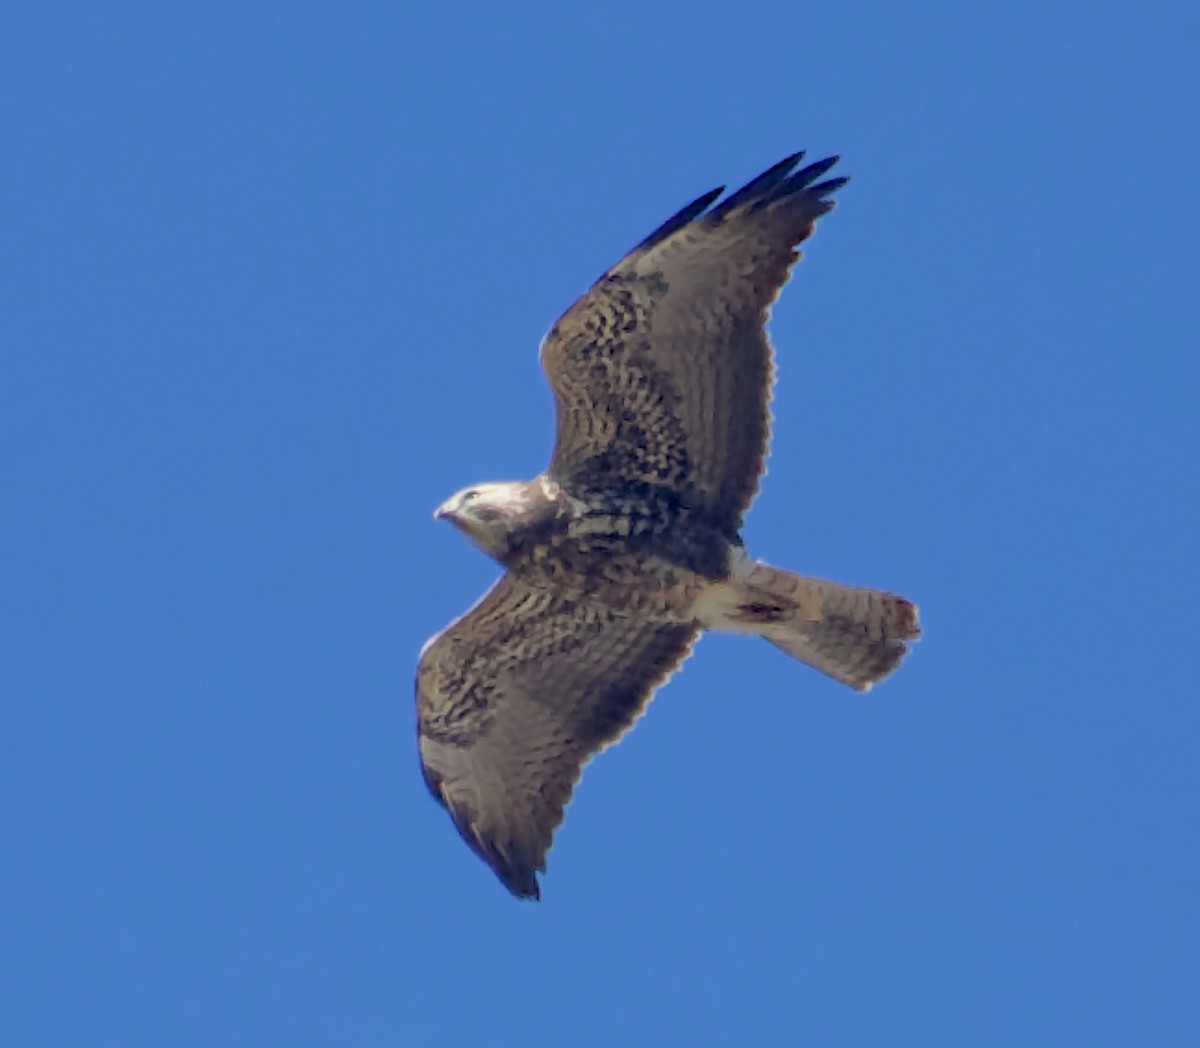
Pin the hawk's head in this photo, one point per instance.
(487, 513)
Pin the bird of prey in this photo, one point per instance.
(628, 546)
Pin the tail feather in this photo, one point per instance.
(855, 635)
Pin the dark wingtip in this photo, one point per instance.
(776, 183)
(516, 874)
(831, 185)
(680, 219)
(518, 878)
(527, 891)
(764, 187)
(808, 175)
(511, 866)
(804, 185)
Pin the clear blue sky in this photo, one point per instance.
(273, 282)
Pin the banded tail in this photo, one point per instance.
(855, 635)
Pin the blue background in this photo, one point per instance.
(273, 282)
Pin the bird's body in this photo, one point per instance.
(633, 554)
(628, 546)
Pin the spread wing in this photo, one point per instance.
(662, 372)
(512, 700)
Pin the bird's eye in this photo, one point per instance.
(470, 496)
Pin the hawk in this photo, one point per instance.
(628, 546)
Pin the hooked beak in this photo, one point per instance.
(443, 512)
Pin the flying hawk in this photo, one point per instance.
(628, 546)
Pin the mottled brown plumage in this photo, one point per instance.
(628, 546)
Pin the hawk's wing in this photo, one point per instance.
(662, 372)
(512, 700)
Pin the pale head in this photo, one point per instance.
(487, 513)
